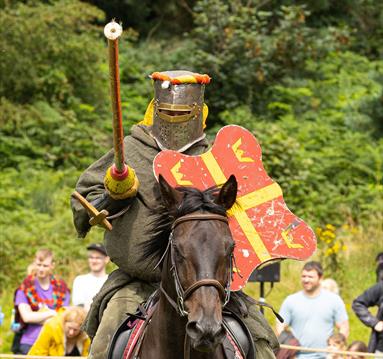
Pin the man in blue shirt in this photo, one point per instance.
(313, 313)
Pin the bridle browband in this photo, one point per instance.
(182, 294)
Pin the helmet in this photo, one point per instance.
(178, 104)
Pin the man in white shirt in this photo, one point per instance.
(86, 286)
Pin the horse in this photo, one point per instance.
(193, 246)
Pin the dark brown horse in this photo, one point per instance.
(194, 247)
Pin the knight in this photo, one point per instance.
(175, 119)
(122, 186)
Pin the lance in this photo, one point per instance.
(120, 180)
(112, 32)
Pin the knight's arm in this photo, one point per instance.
(91, 185)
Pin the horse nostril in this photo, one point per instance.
(211, 333)
(193, 329)
(220, 332)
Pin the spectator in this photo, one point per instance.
(287, 338)
(337, 342)
(38, 299)
(330, 285)
(372, 297)
(62, 335)
(312, 313)
(357, 346)
(86, 286)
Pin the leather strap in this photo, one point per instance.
(170, 300)
(199, 217)
(141, 339)
(205, 282)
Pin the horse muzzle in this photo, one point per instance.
(205, 337)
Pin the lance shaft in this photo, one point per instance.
(112, 32)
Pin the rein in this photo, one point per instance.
(183, 294)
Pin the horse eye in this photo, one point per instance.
(178, 253)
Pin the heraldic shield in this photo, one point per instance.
(262, 226)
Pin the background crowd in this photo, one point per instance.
(313, 313)
(49, 317)
(44, 322)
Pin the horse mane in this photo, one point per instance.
(163, 218)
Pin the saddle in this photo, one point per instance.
(238, 343)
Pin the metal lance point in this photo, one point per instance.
(112, 32)
(97, 218)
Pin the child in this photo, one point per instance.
(330, 285)
(357, 346)
(337, 342)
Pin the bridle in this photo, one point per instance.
(183, 294)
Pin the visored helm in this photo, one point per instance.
(178, 109)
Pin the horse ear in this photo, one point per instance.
(228, 193)
(170, 196)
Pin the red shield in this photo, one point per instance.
(263, 228)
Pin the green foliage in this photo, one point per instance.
(55, 95)
(162, 18)
(49, 135)
(332, 248)
(35, 213)
(41, 36)
(319, 150)
(246, 50)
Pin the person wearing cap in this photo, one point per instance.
(86, 286)
(175, 120)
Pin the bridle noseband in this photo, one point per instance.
(182, 294)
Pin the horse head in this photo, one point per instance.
(198, 259)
